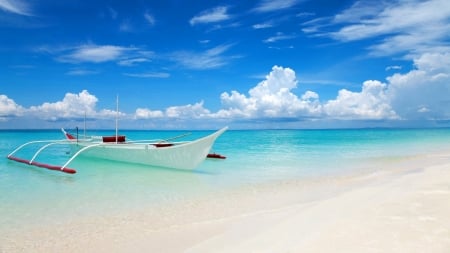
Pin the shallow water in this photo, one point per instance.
(30, 195)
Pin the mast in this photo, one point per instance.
(117, 118)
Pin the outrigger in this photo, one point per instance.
(160, 153)
(38, 164)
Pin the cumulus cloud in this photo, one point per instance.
(189, 111)
(145, 113)
(72, 106)
(271, 98)
(424, 92)
(420, 94)
(371, 103)
(9, 108)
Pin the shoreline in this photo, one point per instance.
(391, 210)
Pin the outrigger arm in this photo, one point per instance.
(79, 152)
(31, 142)
(38, 164)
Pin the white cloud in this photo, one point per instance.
(372, 20)
(150, 19)
(9, 108)
(144, 113)
(81, 72)
(210, 59)
(73, 106)
(423, 93)
(15, 6)
(279, 36)
(149, 75)
(418, 30)
(359, 11)
(434, 63)
(189, 111)
(371, 103)
(274, 5)
(271, 98)
(94, 53)
(216, 14)
(395, 27)
(132, 61)
(263, 25)
(394, 67)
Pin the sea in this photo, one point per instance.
(31, 196)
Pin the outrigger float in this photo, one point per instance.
(160, 153)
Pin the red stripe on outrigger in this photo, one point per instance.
(43, 165)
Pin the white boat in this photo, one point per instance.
(178, 155)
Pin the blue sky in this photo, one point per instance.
(205, 64)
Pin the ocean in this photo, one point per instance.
(30, 196)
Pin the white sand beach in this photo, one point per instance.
(400, 209)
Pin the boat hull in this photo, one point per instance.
(186, 155)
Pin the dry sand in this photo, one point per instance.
(392, 210)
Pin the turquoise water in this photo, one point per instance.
(31, 195)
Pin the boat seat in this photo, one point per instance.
(120, 138)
